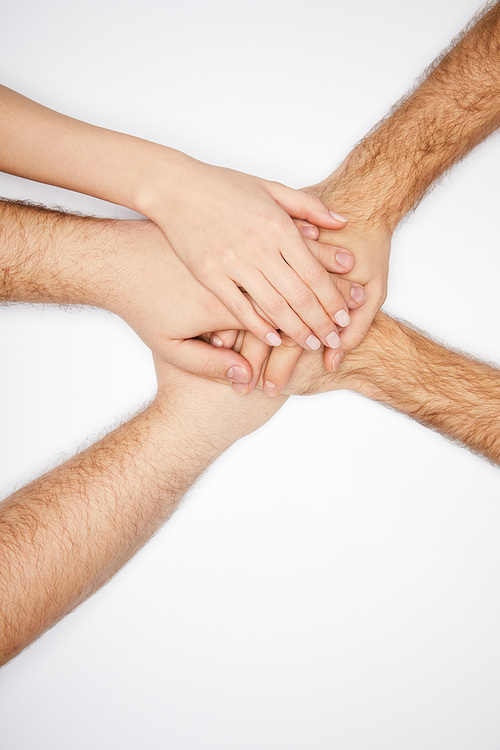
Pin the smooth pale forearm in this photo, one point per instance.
(396, 365)
(47, 146)
(64, 535)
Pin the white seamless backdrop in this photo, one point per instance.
(332, 582)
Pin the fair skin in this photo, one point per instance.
(129, 268)
(64, 535)
(455, 108)
(233, 231)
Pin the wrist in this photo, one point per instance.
(375, 369)
(362, 188)
(216, 414)
(159, 181)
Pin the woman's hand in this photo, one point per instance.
(235, 234)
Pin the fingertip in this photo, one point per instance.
(273, 339)
(328, 359)
(240, 388)
(308, 230)
(345, 259)
(270, 389)
(358, 294)
(238, 374)
(337, 360)
(338, 217)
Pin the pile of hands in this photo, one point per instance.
(257, 273)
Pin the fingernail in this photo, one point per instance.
(333, 340)
(216, 341)
(342, 318)
(313, 342)
(309, 231)
(344, 259)
(338, 216)
(337, 360)
(273, 339)
(240, 387)
(270, 389)
(237, 374)
(358, 294)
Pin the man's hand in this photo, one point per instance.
(389, 172)
(368, 236)
(404, 369)
(65, 534)
(127, 267)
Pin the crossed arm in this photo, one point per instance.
(455, 107)
(403, 368)
(67, 533)
(64, 535)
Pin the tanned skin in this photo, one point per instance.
(65, 534)
(403, 368)
(455, 107)
(129, 268)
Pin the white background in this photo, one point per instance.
(332, 582)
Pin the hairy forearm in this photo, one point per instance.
(64, 535)
(455, 108)
(398, 366)
(51, 256)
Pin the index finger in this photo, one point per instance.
(280, 365)
(361, 320)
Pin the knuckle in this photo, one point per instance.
(314, 274)
(208, 265)
(317, 202)
(288, 342)
(275, 305)
(303, 297)
(238, 306)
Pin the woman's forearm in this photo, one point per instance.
(47, 146)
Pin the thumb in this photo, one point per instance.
(205, 360)
(224, 338)
(301, 205)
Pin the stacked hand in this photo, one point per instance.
(156, 294)
(235, 234)
(368, 238)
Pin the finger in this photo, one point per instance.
(361, 319)
(280, 365)
(306, 229)
(226, 339)
(207, 361)
(301, 205)
(243, 310)
(276, 308)
(256, 353)
(319, 295)
(335, 259)
(333, 359)
(353, 293)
